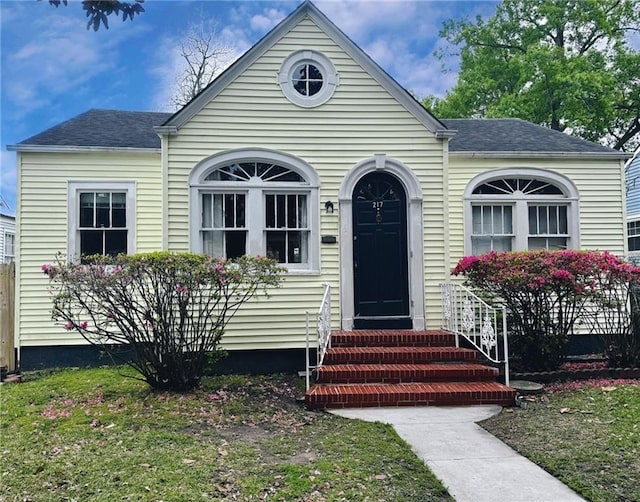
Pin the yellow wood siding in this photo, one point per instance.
(43, 224)
(599, 184)
(360, 120)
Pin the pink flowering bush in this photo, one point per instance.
(546, 294)
(171, 309)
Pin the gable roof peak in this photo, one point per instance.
(306, 9)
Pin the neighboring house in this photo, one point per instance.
(305, 150)
(7, 234)
(632, 176)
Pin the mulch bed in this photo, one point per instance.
(577, 371)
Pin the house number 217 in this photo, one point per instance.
(377, 205)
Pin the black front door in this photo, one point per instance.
(380, 262)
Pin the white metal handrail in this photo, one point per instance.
(323, 331)
(467, 315)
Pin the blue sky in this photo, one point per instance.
(53, 68)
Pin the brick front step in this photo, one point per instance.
(397, 373)
(392, 338)
(408, 394)
(397, 355)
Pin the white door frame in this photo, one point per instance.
(381, 163)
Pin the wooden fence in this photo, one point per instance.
(7, 303)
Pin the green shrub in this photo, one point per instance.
(170, 308)
(546, 293)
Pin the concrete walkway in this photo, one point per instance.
(470, 462)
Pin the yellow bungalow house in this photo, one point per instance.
(307, 151)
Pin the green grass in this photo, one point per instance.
(588, 438)
(96, 434)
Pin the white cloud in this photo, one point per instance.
(266, 20)
(56, 55)
(364, 19)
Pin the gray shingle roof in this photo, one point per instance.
(515, 135)
(125, 129)
(104, 128)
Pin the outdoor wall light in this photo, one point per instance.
(328, 206)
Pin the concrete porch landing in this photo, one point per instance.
(473, 465)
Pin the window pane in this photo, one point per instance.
(484, 244)
(547, 243)
(281, 211)
(115, 242)
(218, 211)
(294, 242)
(270, 216)
(9, 244)
(557, 243)
(634, 243)
(236, 243)
(229, 210)
(508, 221)
(502, 243)
(498, 222)
(480, 245)
(487, 223)
(562, 220)
(314, 88)
(292, 209)
(276, 246)
(543, 220)
(553, 220)
(240, 211)
(207, 210)
(302, 211)
(118, 209)
(86, 209)
(212, 242)
(91, 242)
(297, 244)
(103, 210)
(477, 220)
(533, 220)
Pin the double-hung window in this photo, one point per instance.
(266, 206)
(101, 218)
(522, 209)
(9, 247)
(633, 234)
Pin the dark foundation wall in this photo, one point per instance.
(245, 361)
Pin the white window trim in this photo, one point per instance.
(329, 75)
(520, 204)
(255, 202)
(73, 215)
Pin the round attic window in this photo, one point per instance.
(307, 78)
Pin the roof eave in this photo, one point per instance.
(78, 149)
(539, 155)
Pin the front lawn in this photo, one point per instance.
(587, 437)
(96, 435)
